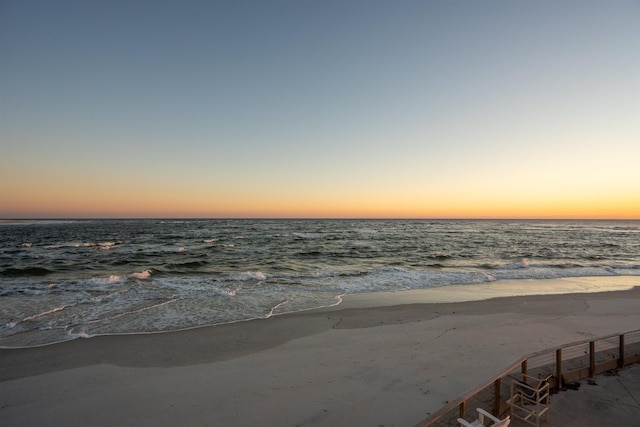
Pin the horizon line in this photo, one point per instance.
(302, 218)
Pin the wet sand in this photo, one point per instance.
(356, 364)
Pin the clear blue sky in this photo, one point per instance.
(323, 108)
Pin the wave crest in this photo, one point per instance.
(142, 275)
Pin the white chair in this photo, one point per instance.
(482, 416)
(530, 399)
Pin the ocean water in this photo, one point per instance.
(61, 280)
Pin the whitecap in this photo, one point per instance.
(259, 275)
(234, 292)
(308, 235)
(143, 275)
(114, 278)
(489, 277)
(105, 246)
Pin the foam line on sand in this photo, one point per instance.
(348, 365)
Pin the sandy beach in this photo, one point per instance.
(388, 362)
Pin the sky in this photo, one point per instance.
(351, 108)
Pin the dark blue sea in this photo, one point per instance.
(61, 280)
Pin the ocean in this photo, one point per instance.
(61, 280)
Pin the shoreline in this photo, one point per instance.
(345, 365)
(490, 290)
(437, 295)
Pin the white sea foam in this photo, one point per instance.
(277, 306)
(489, 277)
(105, 246)
(129, 312)
(234, 292)
(106, 280)
(308, 235)
(13, 324)
(249, 275)
(81, 334)
(278, 267)
(259, 275)
(143, 275)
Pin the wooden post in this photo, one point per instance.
(523, 367)
(559, 368)
(621, 360)
(463, 408)
(496, 397)
(592, 359)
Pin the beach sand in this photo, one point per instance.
(358, 364)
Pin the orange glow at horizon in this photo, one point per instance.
(102, 204)
(374, 119)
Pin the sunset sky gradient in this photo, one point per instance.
(488, 109)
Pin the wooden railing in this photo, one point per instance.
(564, 366)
